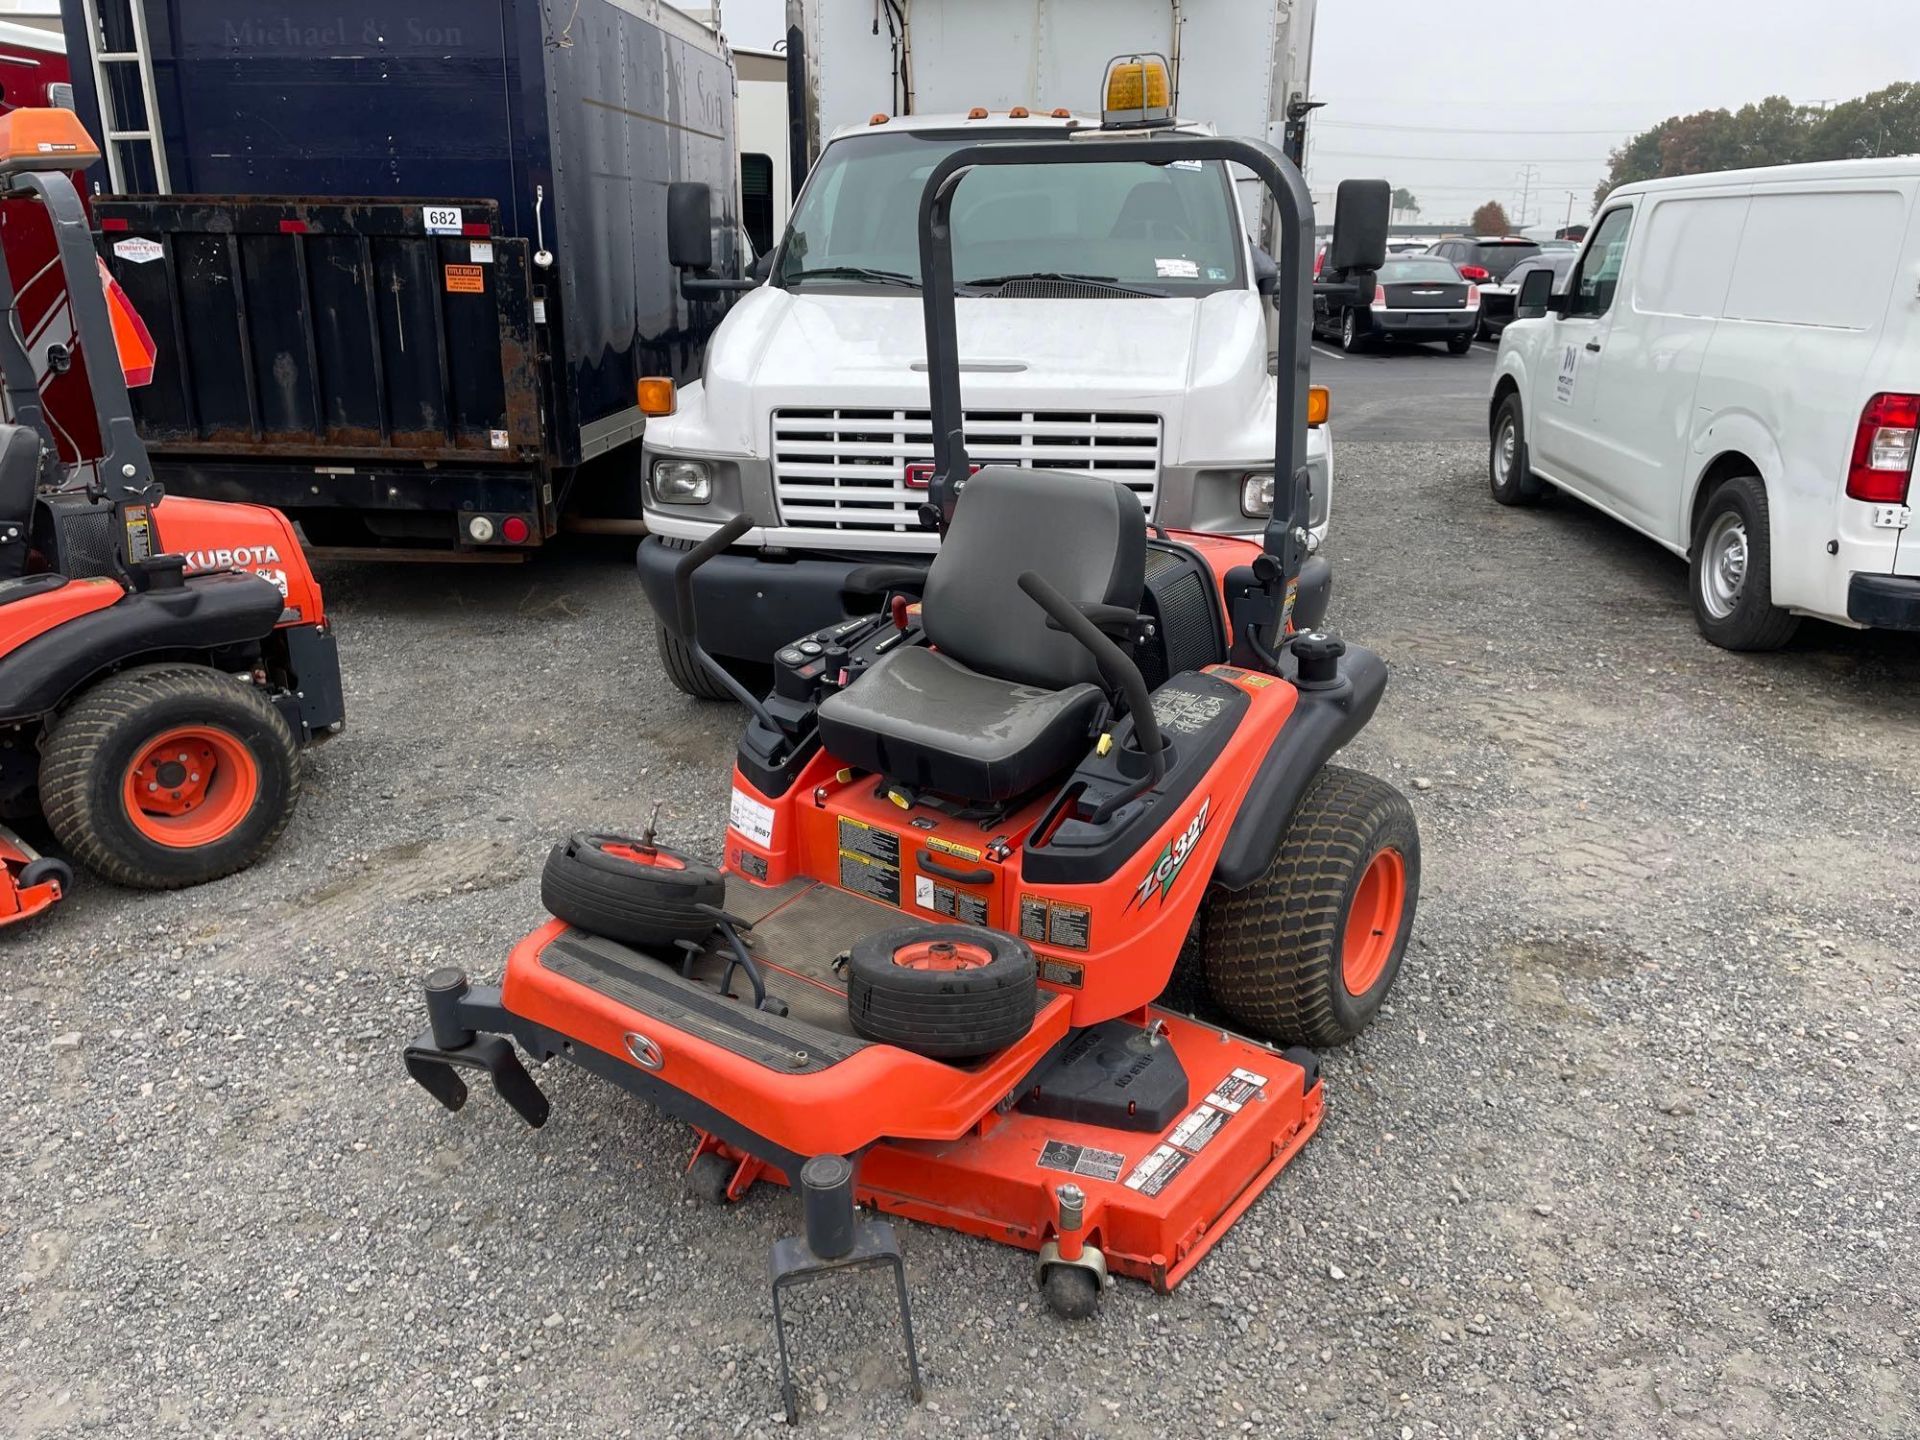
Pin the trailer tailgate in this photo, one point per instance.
(330, 330)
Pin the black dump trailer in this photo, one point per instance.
(405, 265)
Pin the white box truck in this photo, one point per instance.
(1114, 318)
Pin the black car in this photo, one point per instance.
(1415, 297)
(1497, 301)
(1485, 258)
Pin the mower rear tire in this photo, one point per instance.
(1071, 1291)
(684, 669)
(1306, 954)
(169, 775)
(626, 890)
(949, 992)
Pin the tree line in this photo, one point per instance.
(1774, 131)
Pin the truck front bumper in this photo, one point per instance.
(748, 603)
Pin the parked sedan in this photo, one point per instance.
(1496, 300)
(1415, 298)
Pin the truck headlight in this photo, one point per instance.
(682, 482)
(1256, 495)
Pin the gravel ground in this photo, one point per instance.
(1627, 1158)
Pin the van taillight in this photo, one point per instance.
(1883, 449)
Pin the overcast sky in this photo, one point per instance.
(1456, 101)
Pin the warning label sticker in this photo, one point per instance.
(1069, 926)
(866, 876)
(1198, 1128)
(1059, 972)
(1081, 1160)
(1156, 1172)
(944, 900)
(1236, 1090)
(859, 838)
(1033, 918)
(466, 280)
(948, 847)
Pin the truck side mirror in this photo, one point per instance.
(1536, 295)
(1266, 272)
(1362, 212)
(689, 225)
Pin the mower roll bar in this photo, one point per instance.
(1285, 541)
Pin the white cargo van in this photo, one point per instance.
(1733, 368)
(1113, 319)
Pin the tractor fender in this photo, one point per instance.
(1323, 720)
(205, 613)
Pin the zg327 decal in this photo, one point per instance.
(1173, 858)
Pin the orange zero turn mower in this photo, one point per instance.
(161, 660)
(978, 845)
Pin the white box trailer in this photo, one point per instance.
(1241, 66)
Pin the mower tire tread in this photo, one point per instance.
(84, 766)
(942, 1014)
(635, 904)
(1273, 950)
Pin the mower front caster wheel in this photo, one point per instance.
(708, 1178)
(1071, 1291)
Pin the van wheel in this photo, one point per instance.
(1731, 571)
(1352, 337)
(1509, 471)
(1306, 954)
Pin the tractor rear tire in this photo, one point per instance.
(169, 775)
(622, 889)
(1306, 954)
(949, 992)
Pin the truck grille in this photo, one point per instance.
(847, 469)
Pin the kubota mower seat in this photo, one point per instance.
(1002, 703)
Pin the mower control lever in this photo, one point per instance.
(1116, 668)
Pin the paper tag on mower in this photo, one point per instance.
(752, 819)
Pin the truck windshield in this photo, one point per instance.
(1163, 229)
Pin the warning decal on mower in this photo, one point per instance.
(1156, 1172)
(943, 900)
(865, 876)
(859, 838)
(1081, 1160)
(1236, 1090)
(1198, 1128)
(1059, 972)
(1052, 923)
(751, 818)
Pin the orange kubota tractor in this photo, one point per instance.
(161, 660)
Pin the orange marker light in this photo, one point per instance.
(879, 117)
(1061, 112)
(656, 395)
(1018, 112)
(978, 112)
(1319, 404)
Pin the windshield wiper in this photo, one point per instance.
(853, 272)
(995, 282)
